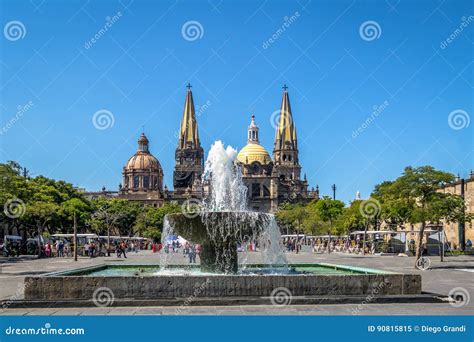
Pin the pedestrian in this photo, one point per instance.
(123, 247)
(91, 250)
(60, 248)
(192, 254)
(47, 250)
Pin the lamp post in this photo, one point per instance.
(333, 191)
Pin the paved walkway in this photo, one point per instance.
(441, 278)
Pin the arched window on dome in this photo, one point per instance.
(136, 182)
(146, 182)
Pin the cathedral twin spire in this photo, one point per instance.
(285, 135)
(190, 155)
(189, 136)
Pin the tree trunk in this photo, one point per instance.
(38, 226)
(419, 243)
(75, 238)
(364, 241)
(330, 230)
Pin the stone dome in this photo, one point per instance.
(143, 161)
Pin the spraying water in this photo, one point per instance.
(227, 222)
(228, 192)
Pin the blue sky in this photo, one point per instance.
(335, 70)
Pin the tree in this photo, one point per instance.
(41, 213)
(329, 210)
(352, 218)
(150, 220)
(415, 197)
(292, 215)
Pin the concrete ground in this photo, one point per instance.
(441, 278)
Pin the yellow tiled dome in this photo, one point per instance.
(253, 152)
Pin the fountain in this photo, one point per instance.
(222, 222)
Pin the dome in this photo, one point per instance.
(143, 161)
(253, 152)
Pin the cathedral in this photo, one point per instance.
(271, 181)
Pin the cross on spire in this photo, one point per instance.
(189, 86)
(284, 87)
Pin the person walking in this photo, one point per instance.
(60, 248)
(47, 250)
(123, 248)
(192, 254)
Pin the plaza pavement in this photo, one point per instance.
(441, 278)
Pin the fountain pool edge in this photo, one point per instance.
(71, 285)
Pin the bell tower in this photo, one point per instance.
(285, 149)
(189, 162)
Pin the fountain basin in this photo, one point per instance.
(309, 280)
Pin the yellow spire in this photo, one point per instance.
(286, 130)
(189, 136)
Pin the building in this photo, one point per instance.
(271, 181)
(274, 181)
(456, 232)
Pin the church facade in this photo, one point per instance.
(271, 180)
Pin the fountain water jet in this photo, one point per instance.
(223, 221)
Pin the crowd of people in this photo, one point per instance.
(189, 250)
